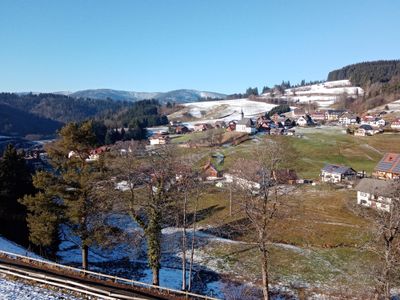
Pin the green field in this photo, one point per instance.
(321, 240)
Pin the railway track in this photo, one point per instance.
(86, 282)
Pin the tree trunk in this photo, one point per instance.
(156, 276)
(153, 233)
(265, 279)
(184, 244)
(192, 246)
(85, 251)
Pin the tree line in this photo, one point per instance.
(367, 73)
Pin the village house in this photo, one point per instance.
(375, 193)
(395, 124)
(364, 130)
(318, 116)
(302, 121)
(285, 176)
(263, 123)
(246, 125)
(336, 173)
(388, 167)
(159, 139)
(210, 172)
(202, 127)
(348, 119)
(373, 121)
(333, 115)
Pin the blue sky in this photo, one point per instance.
(215, 45)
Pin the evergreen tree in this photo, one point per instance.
(15, 182)
(71, 191)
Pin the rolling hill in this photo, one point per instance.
(14, 121)
(179, 96)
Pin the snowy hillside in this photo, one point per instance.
(225, 110)
(8, 246)
(179, 96)
(324, 94)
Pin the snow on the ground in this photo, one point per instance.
(8, 246)
(325, 94)
(393, 107)
(12, 290)
(224, 110)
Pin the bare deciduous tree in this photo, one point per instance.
(259, 197)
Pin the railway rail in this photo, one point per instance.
(87, 282)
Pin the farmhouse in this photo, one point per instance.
(263, 123)
(364, 130)
(302, 121)
(388, 167)
(395, 124)
(333, 115)
(246, 125)
(373, 121)
(210, 172)
(285, 176)
(348, 119)
(318, 116)
(335, 173)
(159, 139)
(375, 193)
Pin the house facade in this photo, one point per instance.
(348, 119)
(373, 121)
(159, 139)
(246, 125)
(364, 130)
(302, 121)
(374, 193)
(395, 124)
(336, 173)
(333, 115)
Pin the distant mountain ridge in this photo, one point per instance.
(179, 96)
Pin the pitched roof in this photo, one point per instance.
(366, 127)
(245, 121)
(389, 163)
(376, 187)
(336, 169)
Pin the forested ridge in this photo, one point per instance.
(379, 79)
(367, 73)
(43, 114)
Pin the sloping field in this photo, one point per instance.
(225, 110)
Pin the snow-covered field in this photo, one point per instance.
(18, 290)
(393, 107)
(325, 94)
(224, 110)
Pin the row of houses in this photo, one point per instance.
(375, 192)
